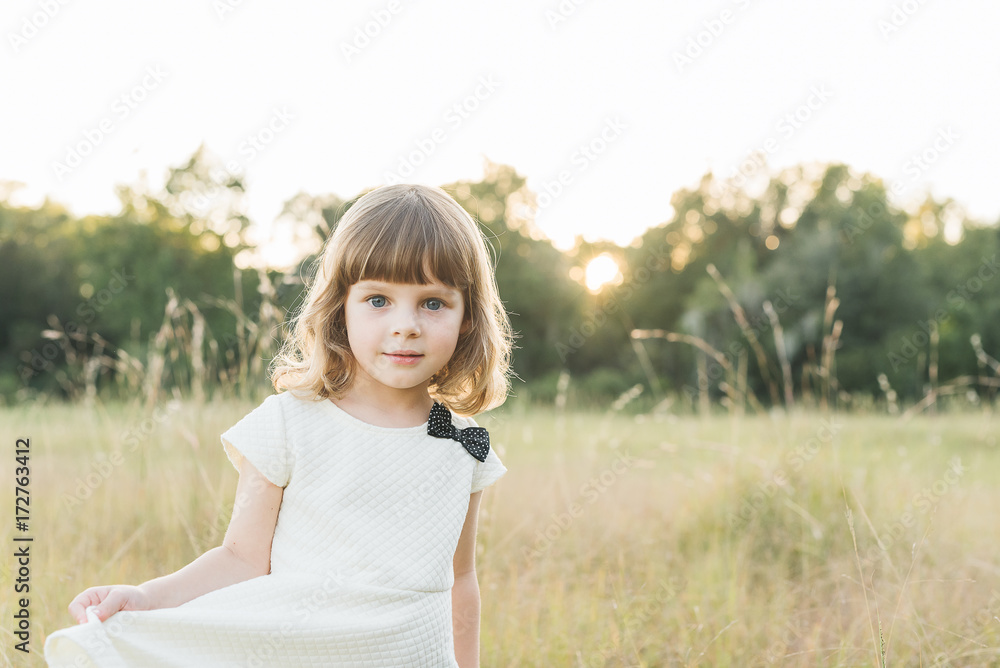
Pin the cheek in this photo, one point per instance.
(457, 338)
(355, 329)
(458, 325)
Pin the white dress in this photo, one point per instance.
(361, 559)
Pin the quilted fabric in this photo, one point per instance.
(361, 559)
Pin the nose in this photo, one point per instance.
(407, 323)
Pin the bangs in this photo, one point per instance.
(406, 242)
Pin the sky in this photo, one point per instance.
(607, 108)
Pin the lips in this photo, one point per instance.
(404, 357)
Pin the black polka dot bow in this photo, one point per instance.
(474, 439)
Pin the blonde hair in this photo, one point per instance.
(394, 233)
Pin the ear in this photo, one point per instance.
(466, 324)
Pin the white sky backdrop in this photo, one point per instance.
(557, 87)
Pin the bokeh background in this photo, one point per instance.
(750, 249)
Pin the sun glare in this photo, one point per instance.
(600, 271)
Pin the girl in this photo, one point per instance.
(352, 539)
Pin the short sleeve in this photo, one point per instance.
(260, 437)
(488, 472)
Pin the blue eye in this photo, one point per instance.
(376, 301)
(435, 304)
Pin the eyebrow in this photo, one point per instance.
(369, 284)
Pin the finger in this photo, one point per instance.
(112, 603)
(87, 597)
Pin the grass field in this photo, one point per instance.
(614, 539)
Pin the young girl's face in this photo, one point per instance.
(401, 334)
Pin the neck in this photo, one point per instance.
(386, 407)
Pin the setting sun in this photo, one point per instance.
(600, 271)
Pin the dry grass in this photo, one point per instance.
(614, 540)
(723, 545)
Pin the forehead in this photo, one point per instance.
(434, 286)
(405, 247)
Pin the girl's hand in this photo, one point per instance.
(109, 599)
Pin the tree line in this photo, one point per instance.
(805, 285)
